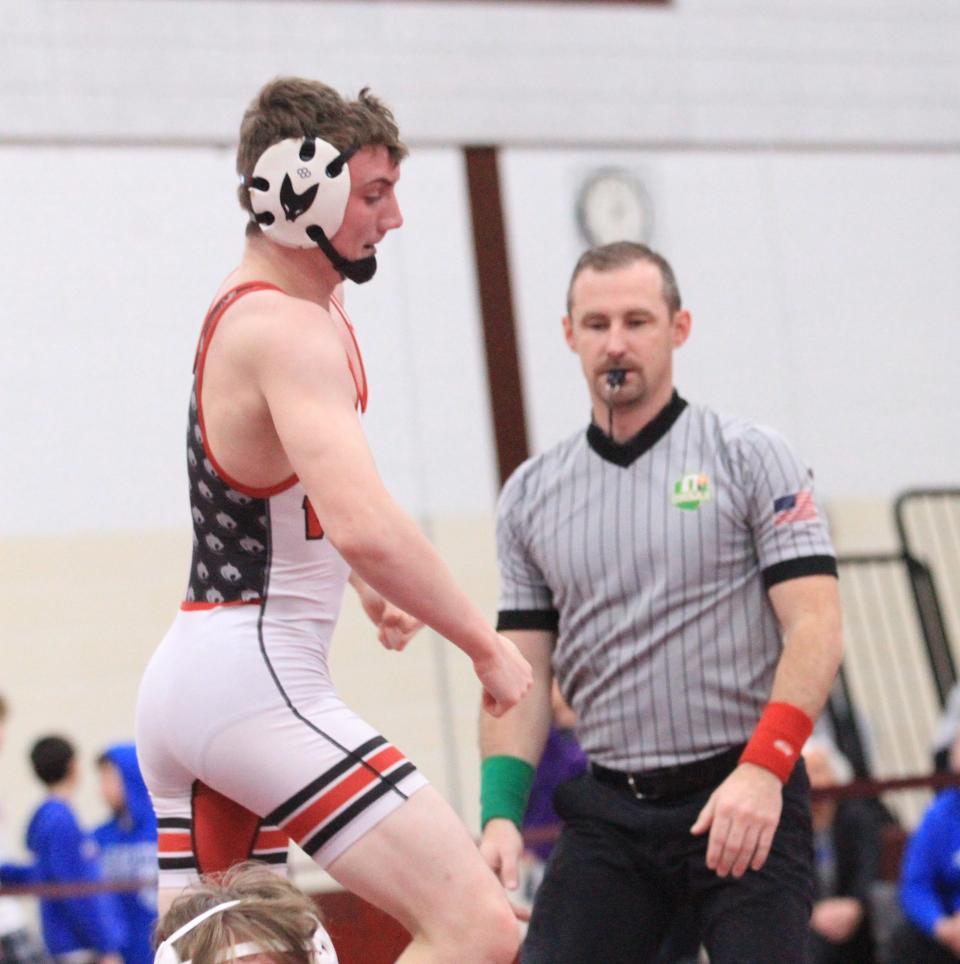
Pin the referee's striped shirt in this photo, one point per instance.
(651, 560)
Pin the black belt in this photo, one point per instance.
(669, 782)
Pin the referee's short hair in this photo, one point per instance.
(619, 254)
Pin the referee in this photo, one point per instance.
(671, 567)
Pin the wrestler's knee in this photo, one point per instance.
(500, 930)
(486, 931)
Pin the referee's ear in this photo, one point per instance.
(680, 326)
(568, 332)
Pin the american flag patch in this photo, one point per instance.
(798, 507)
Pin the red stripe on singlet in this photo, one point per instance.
(303, 825)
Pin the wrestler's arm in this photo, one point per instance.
(395, 627)
(298, 361)
(522, 733)
(743, 812)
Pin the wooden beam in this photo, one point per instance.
(496, 307)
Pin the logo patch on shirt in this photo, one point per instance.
(691, 491)
(798, 507)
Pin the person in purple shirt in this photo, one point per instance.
(562, 760)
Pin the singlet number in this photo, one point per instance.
(312, 523)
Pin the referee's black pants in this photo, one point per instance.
(622, 868)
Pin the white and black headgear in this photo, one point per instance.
(321, 949)
(298, 192)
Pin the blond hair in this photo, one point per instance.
(272, 913)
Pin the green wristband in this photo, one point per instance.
(505, 783)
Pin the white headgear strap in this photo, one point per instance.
(166, 953)
(298, 184)
(323, 951)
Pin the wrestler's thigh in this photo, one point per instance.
(315, 771)
(421, 866)
(595, 904)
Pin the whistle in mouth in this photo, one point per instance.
(615, 378)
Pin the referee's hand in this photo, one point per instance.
(742, 816)
(501, 847)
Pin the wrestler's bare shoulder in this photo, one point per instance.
(272, 327)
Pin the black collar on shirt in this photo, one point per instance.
(625, 453)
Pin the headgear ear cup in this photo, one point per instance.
(323, 949)
(299, 192)
(298, 184)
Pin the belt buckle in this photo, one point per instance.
(634, 790)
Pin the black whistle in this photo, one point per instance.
(615, 378)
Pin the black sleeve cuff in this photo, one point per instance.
(795, 568)
(548, 619)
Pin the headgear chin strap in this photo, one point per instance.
(299, 192)
(359, 271)
(321, 946)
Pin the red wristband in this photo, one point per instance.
(778, 739)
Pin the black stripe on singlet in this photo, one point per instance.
(173, 823)
(286, 808)
(312, 845)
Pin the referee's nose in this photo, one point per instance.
(616, 342)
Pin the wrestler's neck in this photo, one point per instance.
(300, 272)
(630, 418)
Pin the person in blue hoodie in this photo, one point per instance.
(128, 847)
(83, 928)
(930, 881)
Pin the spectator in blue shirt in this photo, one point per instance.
(18, 943)
(78, 929)
(930, 881)
(128, 848)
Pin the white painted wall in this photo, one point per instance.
(823, 288)
(115, 257)
(695, 70)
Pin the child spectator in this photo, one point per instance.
(76, 929)
(18, 945)
(128, 848)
